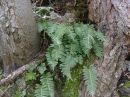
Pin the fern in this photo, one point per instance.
(67, 65)
(30, 76)
(90, 78)
(73, 44)
(46, 88)
(98, 50)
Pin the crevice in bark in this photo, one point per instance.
(128, 47)
(123, 88)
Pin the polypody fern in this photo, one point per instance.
(46, 88)
(73, 44)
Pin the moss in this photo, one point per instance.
(72, 85)
(127, 84)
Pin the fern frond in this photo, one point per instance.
(51, 28)
(70, 45)
(51, 60)
(57, 52)
(54, 54)
(46, 89)
(70, 33)
(90, 79)
(100, 36)
(98, 49)
(86, 44)
(41, 25)
(74, 48)
(67, 65)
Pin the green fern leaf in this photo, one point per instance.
(98, 50)
(51, 60)
(67, 65)
(87, 42)
(40, 24)
(54, 54)
(79, 59)
(51, 29)
(46, 89)
(70, 33)
(41, 68)
(90, 78)
(100, 36)
(66, 70)
(61, 30)
(30, 76)
(57, 52)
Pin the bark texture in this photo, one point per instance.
(19, 40)
(113, 18)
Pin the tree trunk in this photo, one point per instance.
(112, 18)
(19, 40)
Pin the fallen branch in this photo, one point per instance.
(14, 74)
(18, 72)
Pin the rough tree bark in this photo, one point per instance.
(19, 40)
(113, 18)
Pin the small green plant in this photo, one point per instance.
(90, 78)
(73, 44)
(46, 88)
(30, 76)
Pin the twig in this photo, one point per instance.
(18, 72)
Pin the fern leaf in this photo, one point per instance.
(79, 59)
(98, 50)
(66, 70)
(46, 89)
(86, 42)
(54, 54)
(40, 24)
(70, 33)
(100, 36)
(51, 60)
(30, 76)
(67, 65)
(51, 29)
(61, 30)
(57, 52)
(90, 79)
